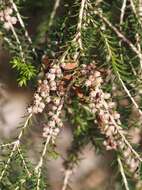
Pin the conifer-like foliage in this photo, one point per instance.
(83, 61)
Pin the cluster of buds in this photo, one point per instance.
(51, 129)
(107, 118)
(45, 89)
(7, 18)
(48, 94)
(41, 97)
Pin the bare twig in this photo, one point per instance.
(39, 166)
(122, 12)
(25, 126)
(140, 10)
(123, 174)
(66, 179)
(129, 94)
(7, 145)
(56, 5)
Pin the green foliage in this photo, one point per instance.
(84, 129)
(26, 71)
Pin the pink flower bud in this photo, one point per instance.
(6, 25)
(8, 18)
(88, 83)
(106, 96)
(97, 74)
(8, 11)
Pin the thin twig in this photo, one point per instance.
(140, 10)
(39, 166)
(7, 145)
(49, 137)
(77, 38)
(22, 23)
(24, 162)
(123, 8)
(133, 7)
(53, 14)
(22, 181)
(119, 130)
(40, 163)
(16, 144)
(123, 85)
(79, 25)
(119, 34)
(136, 13)
(9, 159)
(129, 94)
(25, 126)
(8, 41)
(137, 34)
(66, 179)
(18, 42)
(123, 174)
(139, 48)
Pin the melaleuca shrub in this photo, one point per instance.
(81, 70)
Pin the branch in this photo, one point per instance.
(66, 179)
(123, 11)
(49, 137)
(39, 166)
(78, 35)
(16, 144)
(9, 159)
(137, 35)
(123, 174)
(129, 94)
(24, 162)
(77, 39)
(119, 130)
(56, 5)
(18, 41)
(119, 77)
(22, 23)
(119, 34)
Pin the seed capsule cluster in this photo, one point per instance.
(52, 127)
(100, 104)
(48, 93)
(107, 118)
(7, 18)
(46, 89)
